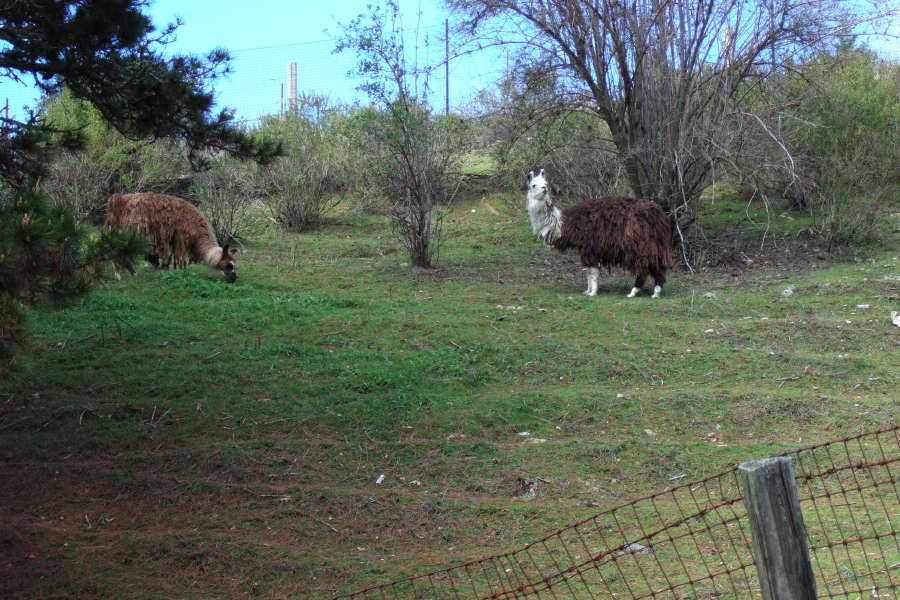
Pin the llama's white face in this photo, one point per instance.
(538, 188)
(546, 219)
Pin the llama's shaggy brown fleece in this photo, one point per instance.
(177, 228)
(626, 232)
(615, 231)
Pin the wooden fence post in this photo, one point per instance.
(779, 535)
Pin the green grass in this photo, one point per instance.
(174, 436)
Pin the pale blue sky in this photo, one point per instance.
(247, 24)
(241, 25)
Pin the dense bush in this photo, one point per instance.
(312, 176)
(109, 163)
(841, 136)
(225, 193)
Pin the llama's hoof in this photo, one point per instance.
(633, 293)
(657, 292)
(589, 293)
(656, 296)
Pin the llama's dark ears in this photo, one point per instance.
(225, 251)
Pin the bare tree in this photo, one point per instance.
(413, 156)
(670, 78)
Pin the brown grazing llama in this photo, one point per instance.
(612, 231)
(177, 229)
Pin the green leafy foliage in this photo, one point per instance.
(412, 156)
(851, 154)
(840, 143)
(46, 253)
(109, 54)
(108, 162)
(315, 172)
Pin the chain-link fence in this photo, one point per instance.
(694, 541)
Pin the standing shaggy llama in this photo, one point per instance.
(177, 229)
(612, 231)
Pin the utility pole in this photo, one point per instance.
(292, 86)
(447, 66)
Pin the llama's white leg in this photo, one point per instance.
(117, 275)
(593, 278)
(633, 293)
(657, 291)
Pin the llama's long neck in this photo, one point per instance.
(207, 249)
(212, 257)
(546, 219)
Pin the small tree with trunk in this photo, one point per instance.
(413, 156)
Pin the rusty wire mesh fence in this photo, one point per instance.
(693, 541)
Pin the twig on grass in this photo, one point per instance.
(641, 371)
(66, 343)
(535, 515)
(204, 459)
(92, 411)
(508, 334)
(118, 318)
(784, 379)
(338, 332)
(158, 421)
(16, 422)
(328, 525)
(59, 412)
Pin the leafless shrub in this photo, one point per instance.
(226, 193)
(111, 164)
(312, 177)
(529, 124)
(412, 154)
(301, 190)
